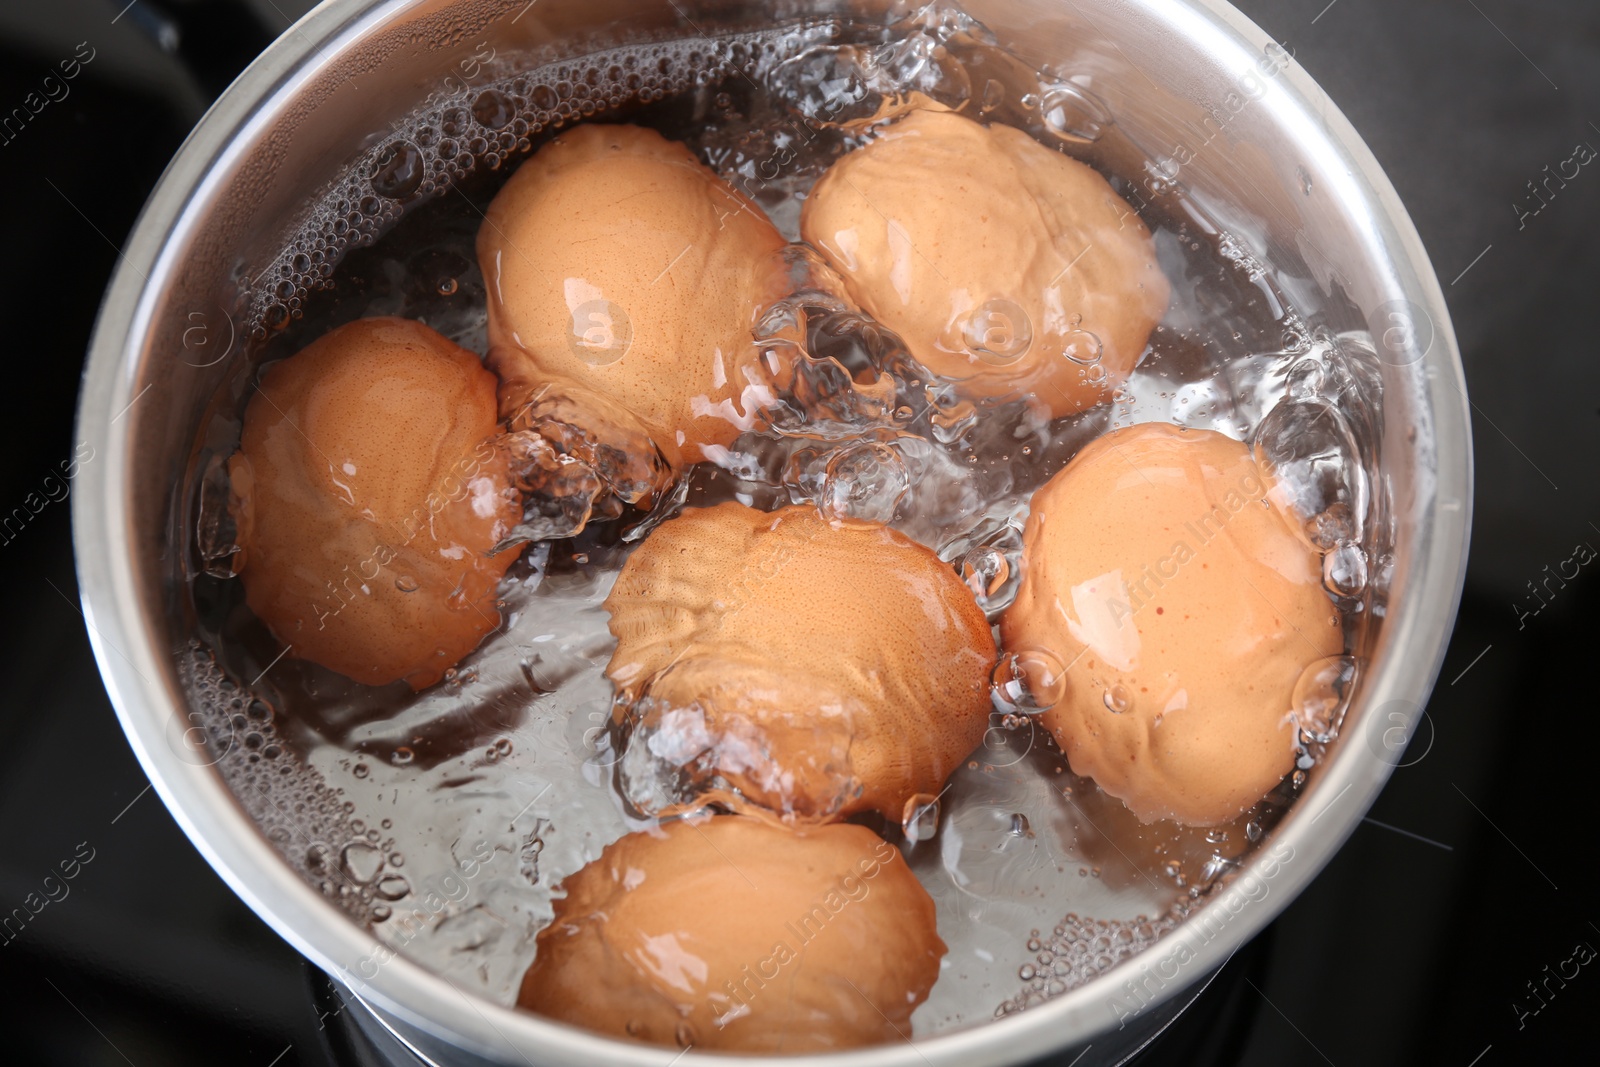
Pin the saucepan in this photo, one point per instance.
(1181, 98)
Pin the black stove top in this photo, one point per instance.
(1456, 927)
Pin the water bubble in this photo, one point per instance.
(920, 819)
(447, 286)
(392, 887)
(1321, 695)
(851, 86)
(493, 109)
(401, 756)
(1073, 115)
(396, 173)
(985, 569)
(1082, 347)
(1307, 453)
(1116, 699)
(866, 482)
(360, 770)
(1304, 380)
(1027, 683)
(997, 331)
(381, 912)
(360, 862)
(1344, 570)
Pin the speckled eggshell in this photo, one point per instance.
(734, 934)
(1183, 610)
(838, 667)
(949, 232)
(616, 260)
(367, 492)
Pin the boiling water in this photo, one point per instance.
(444, 820)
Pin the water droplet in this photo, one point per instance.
(684, 1035)
(407, 584)
(1116, 699)
(1308, 455)
(1072, 114)
(1020, 827)
(1082, 347)
(1305, 180)
(1344, 570)
(360, 770)
(1321, 695)
(380, 912)
(920, 819)
(401, 756)
(985, 570)
(392, 887)
(1027, 683)
(360, 862)
(448, 286)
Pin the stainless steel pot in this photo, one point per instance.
(1218, 104)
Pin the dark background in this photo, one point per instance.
(1475, 871)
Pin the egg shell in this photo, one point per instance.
(1182, 610)
(734, 934)
(950, 232)
(835, 667)
(367, 492)
(614, 259)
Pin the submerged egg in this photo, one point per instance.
(1007, 267)
(616, 260)
(1184, 610)
(734, 934)
(367, 491)
(815, 667)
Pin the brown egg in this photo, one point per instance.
(367, 492)
(616, 260)
(1166, 611)
(734, 934)
(1004, 265)
(817, 668)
